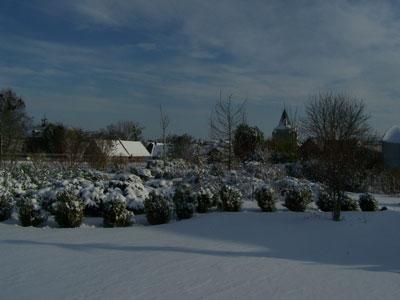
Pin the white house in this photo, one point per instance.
(156, 150)
(118, 149)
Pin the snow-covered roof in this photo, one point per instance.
(392, 135)
(129, 149)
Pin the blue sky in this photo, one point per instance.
(89, 63)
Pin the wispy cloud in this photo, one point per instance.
(181, 53)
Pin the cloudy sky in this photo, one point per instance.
(92, 62)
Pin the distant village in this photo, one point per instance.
(284, 138)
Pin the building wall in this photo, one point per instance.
(285, 136)
(391, 154)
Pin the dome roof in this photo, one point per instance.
(392, 135)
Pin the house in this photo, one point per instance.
(126, 150)
(129, 149)
(391, 147)
(156, 149)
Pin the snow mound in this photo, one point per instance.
(392, 135)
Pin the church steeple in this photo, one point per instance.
(284, 121)
(285, 132)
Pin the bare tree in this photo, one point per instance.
(339, 125)
(76, 142)
(123, 130)
(98, 153)
(293, 116)
(225, 118)
(164, 124)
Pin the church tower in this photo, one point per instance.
(285, 132)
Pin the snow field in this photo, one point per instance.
(245, 255)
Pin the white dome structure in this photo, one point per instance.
(391, 147)
(392, 135)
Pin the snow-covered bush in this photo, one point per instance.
(132, 189)
(266, 198)
(68, 210)
(158, 208)
(347, 203)
(185, 202)
(230, 198)
(325, 201)
(135, 195)
(144, 173)
(30, 213)
(297, 198)
(368, 202)
(5, 207)
(92, 197)
(115, 212)
(204, 200)
(242, 181)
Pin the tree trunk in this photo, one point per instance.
(336, 207)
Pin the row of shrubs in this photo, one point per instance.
(298, 198)
(366, 202)
(68, 210)
(159, 209)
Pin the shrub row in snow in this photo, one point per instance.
(159, 208)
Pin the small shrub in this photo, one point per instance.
(266, 199)
(68, 210)
(347, 203)
(368, 202)
(325, 201)
(185, 202)
(5, 207)
(158, 209)
(115, 212)
(204, 200)
(297, 198)
(30, 213)
(231, 198)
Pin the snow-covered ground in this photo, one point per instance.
(245, 255)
